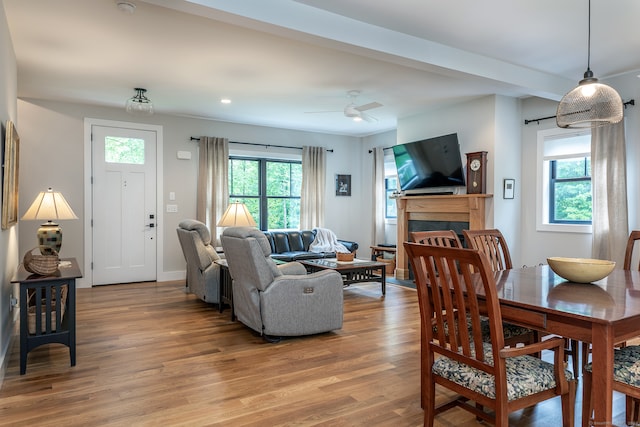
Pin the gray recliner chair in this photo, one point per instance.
(279, 300)
(203, 274)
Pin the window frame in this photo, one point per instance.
(552, 187)
(262, 197)
(542, 182)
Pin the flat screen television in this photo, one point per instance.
(430, 165)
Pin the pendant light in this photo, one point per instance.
(139, 103)
(591, 103)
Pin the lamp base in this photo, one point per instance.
(49, 238)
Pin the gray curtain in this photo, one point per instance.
(379, 199)
(213, 182)
(609, 184)
(313, 187)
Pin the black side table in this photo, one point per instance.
(226, 286)
(48, 323)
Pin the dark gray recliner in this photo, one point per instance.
(279, 300)
(203, 274)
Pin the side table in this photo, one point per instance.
(53, 320)
(226, 287)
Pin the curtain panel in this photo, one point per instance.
(313, 187)
(213, 182)
(609, 185)
(379, 196)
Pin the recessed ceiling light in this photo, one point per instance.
(225, 101)
(126, 7)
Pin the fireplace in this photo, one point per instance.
(449, 212)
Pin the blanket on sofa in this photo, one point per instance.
(326, 241)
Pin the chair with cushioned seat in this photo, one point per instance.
(513, 334)
(203, 274)
(494, 245)
(279, 300)
(503, 379)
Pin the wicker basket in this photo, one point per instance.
(43, 265)
(31, 309)
(344, 256)
(391, 264)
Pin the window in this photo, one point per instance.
(390, 186)
(570, 191)
(564, 181)
(124, 150)
(269, 188)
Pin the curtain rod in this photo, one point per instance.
(193, 138)
(385, 148)
(526, 122)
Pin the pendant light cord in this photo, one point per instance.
(589, 40)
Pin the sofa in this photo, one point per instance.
(293, 245)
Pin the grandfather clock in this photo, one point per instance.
(477, 172)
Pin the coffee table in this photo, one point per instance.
(356, 271)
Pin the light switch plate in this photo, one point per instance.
(172, 208)
(184, 155)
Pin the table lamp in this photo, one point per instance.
(237, 215)
(49, 205)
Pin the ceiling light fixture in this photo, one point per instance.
(591, 103)
(126, 7)
(225, 101)
(139, 103)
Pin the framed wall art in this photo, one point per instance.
(343, 185)
(10, 161)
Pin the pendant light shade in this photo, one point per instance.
(591, 103)
(139, 103)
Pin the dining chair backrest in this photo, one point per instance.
(628, 255)
(447, 238)
(456, 287)
(446, 285)
(493, 244)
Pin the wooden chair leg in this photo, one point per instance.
(587, 402)
(569, 405)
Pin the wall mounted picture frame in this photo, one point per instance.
(343, 185)
(509, 188)
(10, 163)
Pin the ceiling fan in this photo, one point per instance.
(354, 111)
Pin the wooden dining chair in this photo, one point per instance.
(626, 380)
(487, 375)
(494, 245)
(634, 236)
(514, 334)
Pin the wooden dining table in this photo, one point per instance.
(603, 313)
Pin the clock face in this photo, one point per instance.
(475, 164)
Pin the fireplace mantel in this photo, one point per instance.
(469, 208)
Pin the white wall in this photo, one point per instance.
(489, 124)
(538, 245)
(8, 238)
(53, 140)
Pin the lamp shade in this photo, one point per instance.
(588, 105)
(49, 206)
(139, 103)
(237, 215)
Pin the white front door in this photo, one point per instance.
(123, 205)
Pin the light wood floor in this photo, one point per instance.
(150, 354)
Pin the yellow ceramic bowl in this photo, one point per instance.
(581, 270)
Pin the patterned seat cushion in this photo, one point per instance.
(626, 365)
(526, 375)
(509, 330)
